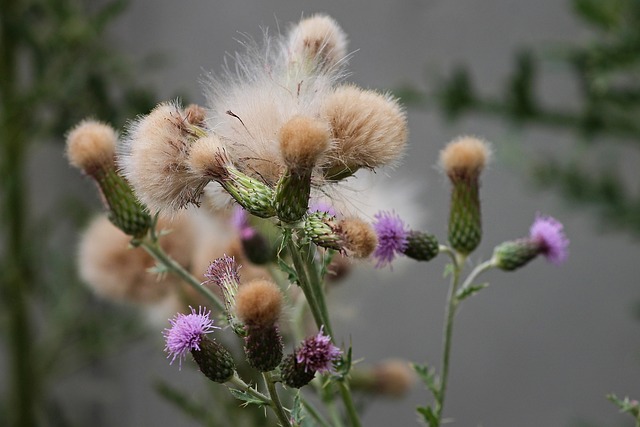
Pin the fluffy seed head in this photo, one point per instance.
(154, 159)
(369, 129)
(186, 333)
(116, 271)
(549, 233)
(392, 237)
(302, 141)
(259, 303)
(359, 237)
(465, 157)
(91, 145)
(207, 159)
(393, 377)
(318, 39)
(195, 114)
(318, 353)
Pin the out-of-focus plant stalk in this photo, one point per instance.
(24, 388)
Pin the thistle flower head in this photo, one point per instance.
(224, 273)
(357, 236)
(322, 206)
(186, 333)
(259, 303)
(465, 157)
(317, 41)
(369, 129)
(318, 353)
(154, 159)
(302, 141)
(91, 145)
(549, 234)
(392, 235)
(240, 222)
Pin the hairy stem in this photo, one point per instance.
(276, 405)
(154, 249)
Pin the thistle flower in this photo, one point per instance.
(463, 160)
(549, 234)
(317, 41)
(115, 270)
(188, 333)
(259, 305)
(318, 353)
(351, 235)
(392, 237)
(224, 273)
(369, 130)
(546, 237)
(154, 158)
(392, 378)
(91, 148)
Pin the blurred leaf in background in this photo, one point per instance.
(605, 69)
(56, 67)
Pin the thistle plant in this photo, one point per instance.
(281, 130)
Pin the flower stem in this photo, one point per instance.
(154, 249)
(276, 405)
(238, 382)
(313, 412)
(479, 269)
(352, 413)
(452, 304)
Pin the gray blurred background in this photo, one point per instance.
(541, 346)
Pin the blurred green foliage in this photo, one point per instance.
(56, 67)
(605, 70)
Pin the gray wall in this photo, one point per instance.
(540, 347)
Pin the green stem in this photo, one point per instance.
(242, 386)
(316, 286)
(154, 249)
(479, 269)
(452, 304)
(303, 281)
(277, 407)
(313, 412)
(352, 413)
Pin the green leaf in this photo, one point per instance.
(626, 405)
(465, 293)
(326, 260)
(429, 378)
(428, 416)
(247, 398)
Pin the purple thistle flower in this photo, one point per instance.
(318, 353)
(223, 270)
(240, 221)
(549, 234)
(186, 332)
(392, 237)
(322, 206)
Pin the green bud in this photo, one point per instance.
(512, 255)
(294, 374)
(292, 196)
(319, 228)
(214, 360)
(421, 246)
(263, 347)
(465, 221)
(253, 195)
(125, 211)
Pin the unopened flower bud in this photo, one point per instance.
(255, 245)
(421, 246)
(463, 160)
(91, 148)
